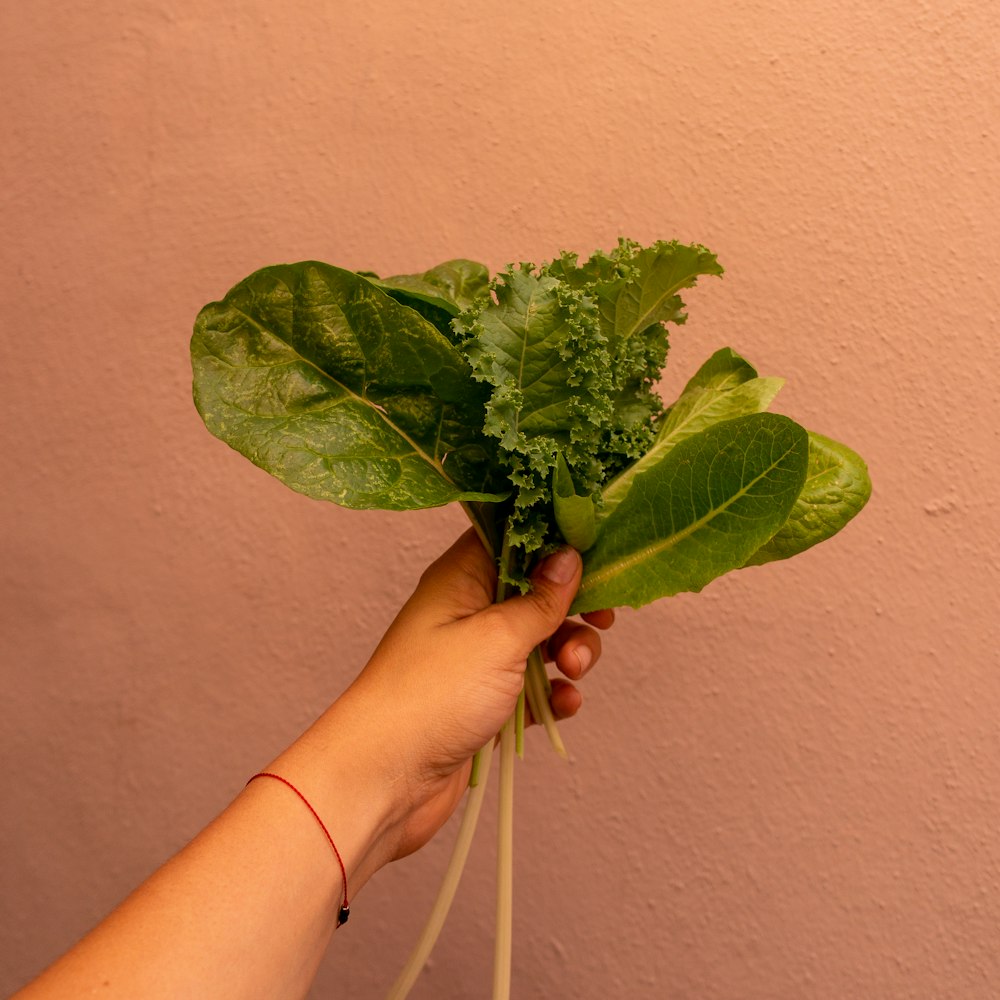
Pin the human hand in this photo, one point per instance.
(448, 672)
(384, 766)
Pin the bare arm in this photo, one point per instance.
(247, 909)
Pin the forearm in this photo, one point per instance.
(248, 907)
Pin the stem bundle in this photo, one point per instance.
(535, 694)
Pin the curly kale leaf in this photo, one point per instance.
(537, 342)
(635, 290)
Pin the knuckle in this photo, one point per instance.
(499, 628)
(548, 606)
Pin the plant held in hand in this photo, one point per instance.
(529, 399)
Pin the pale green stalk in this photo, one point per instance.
(535, 692)
(502, 947)
(482, 530)
(449, 885)
(538, 689)
(474, 773)
(470, 818)
(505, 820)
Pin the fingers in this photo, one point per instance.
(565, 701)
(535, 615)
(574, 648)
(459, 583)
(600, 619)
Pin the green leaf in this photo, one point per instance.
(700, 408)
(725, 387)
(636, 292)
(701, 511)
(837, 486)
(725, 369)
(574, 514)
(537, 344)
(636, 287)
(522, 345)
(342, 393)
(647, 295)
(718, 391)
(452, 286)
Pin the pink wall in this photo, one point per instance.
(786, 787)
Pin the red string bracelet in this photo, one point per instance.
(345, 909)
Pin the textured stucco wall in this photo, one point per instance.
(786, 787)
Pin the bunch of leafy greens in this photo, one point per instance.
(531, 400)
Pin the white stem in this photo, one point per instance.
(449, 885)
(536, 686)
(505, 867)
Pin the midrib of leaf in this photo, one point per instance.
(661, 445)
(417, 450)
(520, 371)
(528, 307)
(821, 473)
(645, 319)
(627, 562)
(437, 438)
(732, 377)
(696, 411)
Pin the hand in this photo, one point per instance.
(448, 672)
(385, 765)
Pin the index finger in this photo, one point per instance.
(600, 619)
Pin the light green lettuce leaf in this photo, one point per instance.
(724, 387)
(725, 369)
(837, 486)
(702, 510)
(700, 408)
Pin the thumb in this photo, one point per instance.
(534, 616)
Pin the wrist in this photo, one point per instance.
(349, 779)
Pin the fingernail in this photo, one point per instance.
(560, 567)
(583, 656)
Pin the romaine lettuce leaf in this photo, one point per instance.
(700, 511)
(726, 386)
(837, 486)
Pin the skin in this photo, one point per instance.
(247, 909)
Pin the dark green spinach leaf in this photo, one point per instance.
(342, 393)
